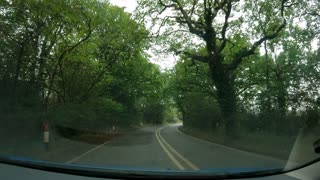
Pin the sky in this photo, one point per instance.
(129, 5)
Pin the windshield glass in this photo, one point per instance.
(170, 85)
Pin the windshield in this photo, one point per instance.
(197, 86)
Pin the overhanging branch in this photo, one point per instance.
(194, 27)
(245, 52)
(193, 57)
(225, 26)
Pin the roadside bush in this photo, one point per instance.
(171, 115)
(201, 112)
(94, 114)
(154, 113)
(271, 123)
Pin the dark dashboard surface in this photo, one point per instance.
(12, 172)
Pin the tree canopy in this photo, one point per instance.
(77, 63)
(253, 50)
(250, 65)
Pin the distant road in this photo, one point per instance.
(167, 148)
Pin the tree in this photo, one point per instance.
(192, 90)
(222, 35)
(116, 40)
(39, 35)
(76, 62)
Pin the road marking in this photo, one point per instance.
(173, 159)
(230, 148)
(78, 157)
(174, 151)
(190, 164)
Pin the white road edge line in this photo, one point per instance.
(173, 159)
(190, 164)
(230, 148)
(78, 157)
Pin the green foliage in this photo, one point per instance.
(154, 113)
(171, 114)
(95, 114)
(194, 95)
(224, 40)
(202, 112)
(84, 64)
(259, 77)
(78, 63)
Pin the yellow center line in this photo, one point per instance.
(173, 159)
(184, 159)
(174, 151)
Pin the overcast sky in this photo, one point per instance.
(129, 5)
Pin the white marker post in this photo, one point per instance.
(46, 135)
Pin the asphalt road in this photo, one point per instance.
(137, 149)
(167, 148)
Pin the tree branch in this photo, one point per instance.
(225, 26)
(194, 27)
(160, 26)
(240, 91)
(166, 5)
(245, 52)
(194, 57)
(195, 2)
(61, 57)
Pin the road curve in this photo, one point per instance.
(167, 148)
(207, 155)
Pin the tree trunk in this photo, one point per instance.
(281, 98)
(226, 96)
(281, 93)
(268, 106)
(18, 68)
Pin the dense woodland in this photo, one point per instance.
(242, 66)
(79, 64)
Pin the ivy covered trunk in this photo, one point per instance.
(226, 96)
